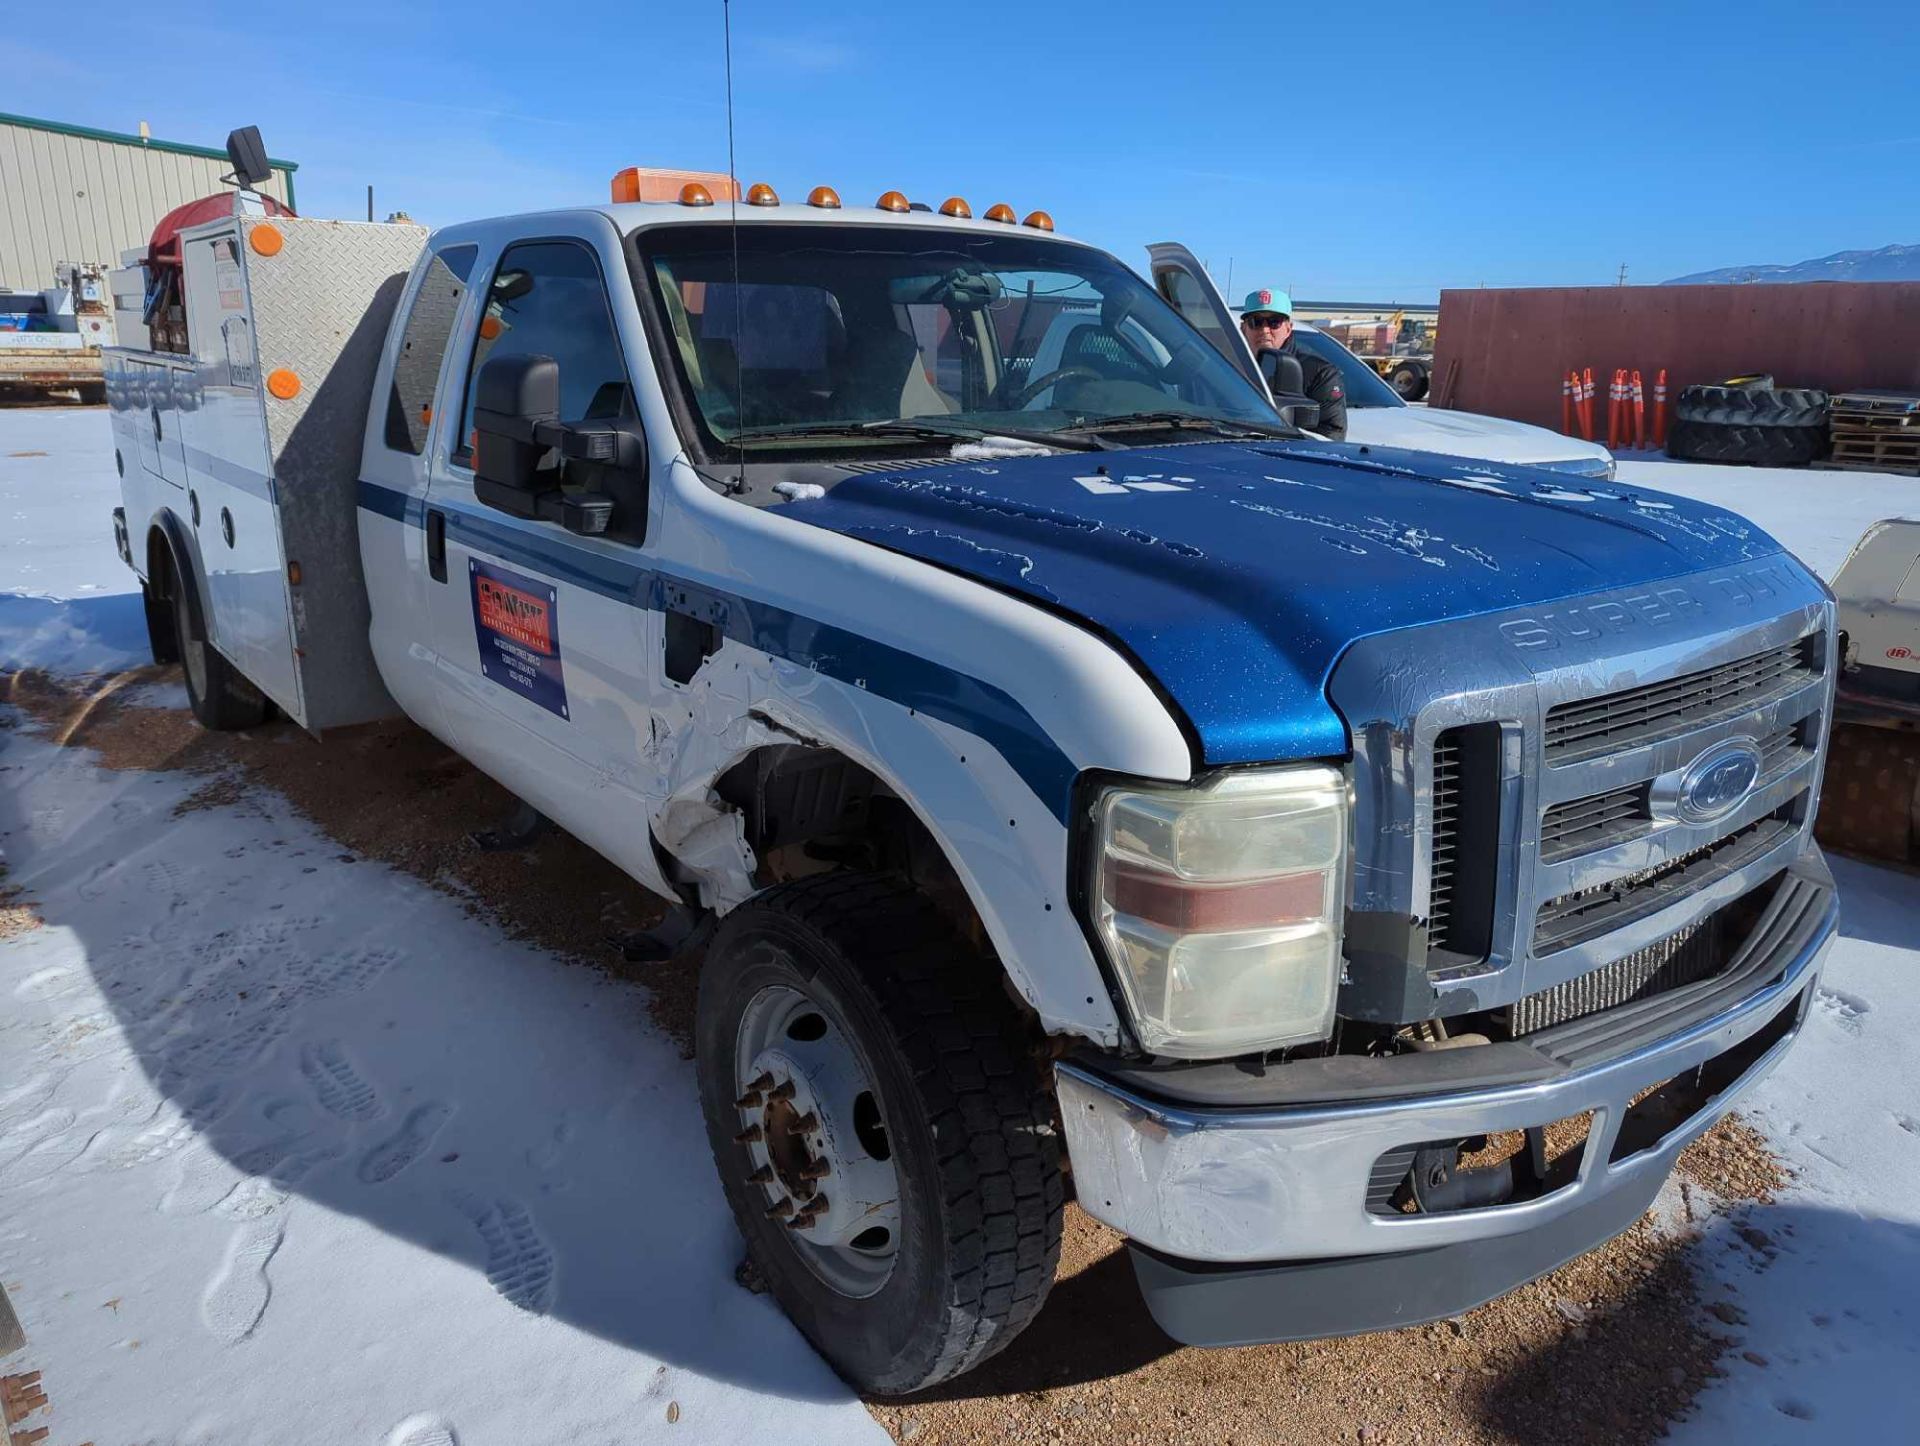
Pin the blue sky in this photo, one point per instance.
(1349, 152)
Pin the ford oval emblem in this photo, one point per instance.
(1719, 780)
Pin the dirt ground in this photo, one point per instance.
(1610, 1348)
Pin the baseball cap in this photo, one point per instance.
(1268, 299)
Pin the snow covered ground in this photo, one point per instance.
(295, 1149)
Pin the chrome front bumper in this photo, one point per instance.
(1291, 1184)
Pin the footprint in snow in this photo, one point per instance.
(409, 1143)
(336, 1083)
(1849, 1011)
(519, 1264)
(237, 1297)
(423, 1431)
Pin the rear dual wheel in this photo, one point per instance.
(883, 1132)
(222, 698)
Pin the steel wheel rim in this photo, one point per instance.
(822, 1166)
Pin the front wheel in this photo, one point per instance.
(883, 1133)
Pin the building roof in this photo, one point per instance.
(62, 128)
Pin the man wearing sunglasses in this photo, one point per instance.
(1266, 321)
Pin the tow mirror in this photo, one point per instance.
(516, 418)
(513, 396)
(1287, 380)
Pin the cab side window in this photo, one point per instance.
(548, 298)
(423, 345)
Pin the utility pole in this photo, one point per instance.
(1623, 275)
(369, 203)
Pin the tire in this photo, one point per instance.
(957, 1107)
(1804, 407)
(1409, 381)
(1752, 445)
(222, 699)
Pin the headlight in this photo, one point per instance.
(1220, 907)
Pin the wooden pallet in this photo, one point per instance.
(1851, 421)
(1877, 452)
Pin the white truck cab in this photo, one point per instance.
(1061, 755)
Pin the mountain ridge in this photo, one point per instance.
(1889, 263)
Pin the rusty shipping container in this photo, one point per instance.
(1504, 351)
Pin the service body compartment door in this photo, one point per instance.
(1185, 286)
(226, 442)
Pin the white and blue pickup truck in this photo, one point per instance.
(1352, 874)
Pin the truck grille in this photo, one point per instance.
(1573, 918)
(1446, 803)
(1680, 958)
(1591, 823)
(1615, 721)
(1601, 820)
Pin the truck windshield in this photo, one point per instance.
(830, 335)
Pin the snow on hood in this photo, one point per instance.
(1236, 573)
(1465, 434)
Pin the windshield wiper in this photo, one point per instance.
(901, 427)
(780, 431)
(973, 430)
(1220, 426)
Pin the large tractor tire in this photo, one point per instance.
(883, 1128)
(1749, 421)
(1746, 445)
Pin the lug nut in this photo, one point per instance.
(749, 1136)
(805, 1124)
(781, 1091)
(815, 1170)
(761, 1081)
(748, 1101)
(761, 1176)
(780, 1211)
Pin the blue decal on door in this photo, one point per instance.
(516, 622)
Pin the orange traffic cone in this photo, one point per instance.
(1639, 414)
(1566, 404)
(1660, 409)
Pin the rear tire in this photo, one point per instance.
(222, 699)
(958, 1112)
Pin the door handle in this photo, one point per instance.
(436, 544)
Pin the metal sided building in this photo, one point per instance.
(72, 193)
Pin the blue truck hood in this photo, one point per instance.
(1236, 573)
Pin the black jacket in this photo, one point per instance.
(1321, 381)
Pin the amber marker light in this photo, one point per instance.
(283, 384)
(695, 194)
(1039, 220)
(956, 207)
(266, 240)
(893, 201)
(761, 194)
(825, 197)
(1002, 213)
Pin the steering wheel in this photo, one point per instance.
(1020, 399)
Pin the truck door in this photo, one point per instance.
(1185, 286)
(542, 635)
(395, 461)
